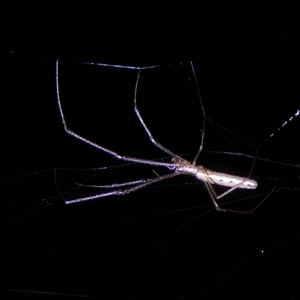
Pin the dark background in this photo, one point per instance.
(166, 241)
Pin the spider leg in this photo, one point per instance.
(114, 185)
(213, 196)
(113, 153)
(204, 115)
(138, 114)
(123, 191)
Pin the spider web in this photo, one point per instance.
(167, 239)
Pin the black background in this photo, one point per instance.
(165, 241)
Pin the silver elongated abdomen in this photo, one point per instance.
(225, 179)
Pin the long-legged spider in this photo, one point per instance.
(178, 165)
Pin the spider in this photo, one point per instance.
(178, 165)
